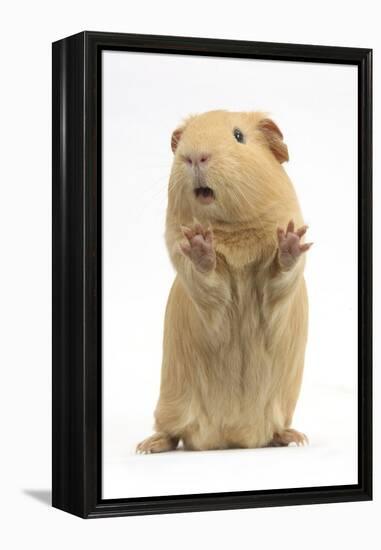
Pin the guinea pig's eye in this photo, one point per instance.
(238, 135)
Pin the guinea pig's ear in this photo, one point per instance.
(176, 136)
(274, 138)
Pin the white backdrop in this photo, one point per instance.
(25, 289)
(145, 97)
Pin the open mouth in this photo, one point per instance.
(205, 195)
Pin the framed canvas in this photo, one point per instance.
(212, 274)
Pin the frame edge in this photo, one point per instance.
(68, 467)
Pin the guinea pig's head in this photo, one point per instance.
(228, 167)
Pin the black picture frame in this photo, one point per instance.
(77, 274)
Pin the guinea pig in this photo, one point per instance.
(235, 326)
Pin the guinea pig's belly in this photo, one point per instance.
(221, 385)
(231, 403)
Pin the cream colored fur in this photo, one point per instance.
(235, 334)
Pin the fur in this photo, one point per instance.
(235, 332)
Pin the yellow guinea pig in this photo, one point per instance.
(236, 319)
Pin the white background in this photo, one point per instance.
(27, 30)
(315, 105)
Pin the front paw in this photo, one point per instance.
(199, 247)
(290, 247)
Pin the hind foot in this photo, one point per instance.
(284, 438)
(159, 442)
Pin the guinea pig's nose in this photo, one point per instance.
(200, 159)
